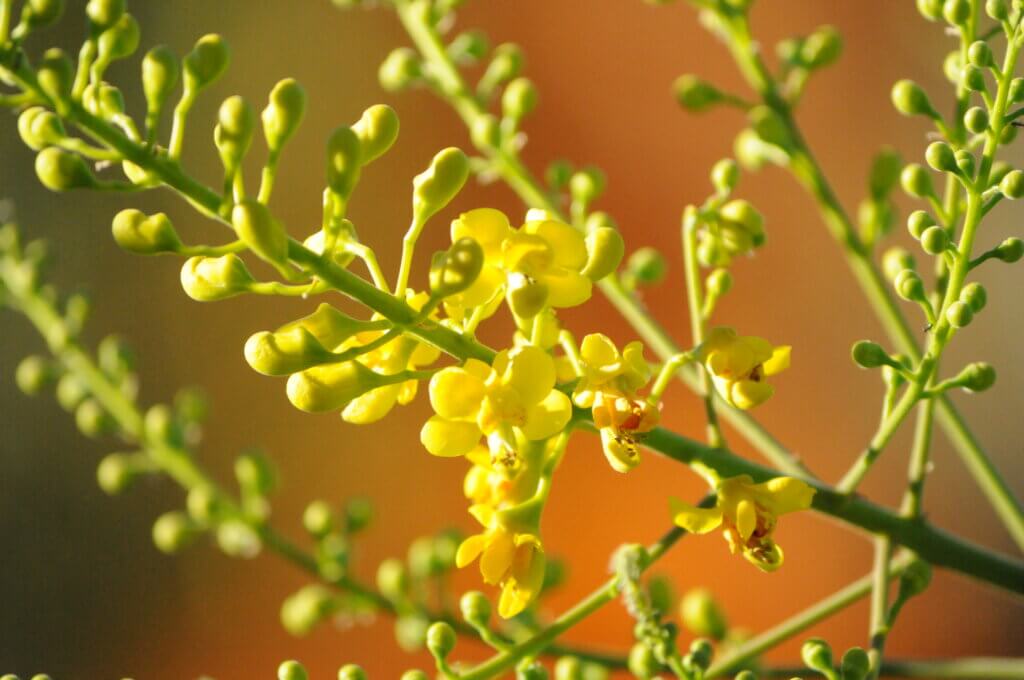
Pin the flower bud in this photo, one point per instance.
(486, 132)
(506, 63)
(284, 352)
(331, 387)
(930, 9)
(255, 474)
(284, 112)
(55, 75)
(456, 269)
(40, 13)
(115, 473)
(400, 69)
(910, 100)
(344, 160)
(957, 12)
(817, 655)
(160, 425)
(475, 608)
(558, 173)
(440, 640)
(605, 249)
(526, 297)
(351, 672)
(92, 420)
(855, 664)
(976, 377)
(642, 662)
(742, 227)
(916, 181)
(61, 170)
(258, 229)
(160, 72)
(940, 157)
(233, 133)
(173, 531)
(1015, 93)
(587, 184)
(915, 579)
(770, 127)
(533, 671)
(980, 54)
(202, 505)
(237, 539)
(377, 130)
(918, 221)
(33, 374)
(291, 670)
(206, 62)
(318, 519)
(120, 40)
(959, 314)
(701, 614)
(207, 279)
(598, 220)
(909, 286)
(895, 260)
(519, 99)
(1008, 134)
(867, 354)
(1010, 250)
(358, 514)
(934, 240)
(998, 9)
(104, 13)
(696, 95)
(469, 47)
(647, 266)
(822, 47)
(725, 175)
(392, 580)
(329, 326)
(973, 78)
(885, 174)
(25, 121)
(436, 186)
(974, 296)
(965, 163)
(568, 668)
(70, 392)
(1012, 185)
(304, 609)
(976, 120)
(136, 233)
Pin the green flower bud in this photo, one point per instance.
(605, 249)
(941, 158)
(106, 100)
(558, 174)
(358, 514)
(855, 664)
(725, 175)
(647, 266)
(534, 671)
(642, 662)
(332, 386)
(915, 579)
(303, 610)
(742, 226)
(770, 126)
(120, 40)
(568, 668)
(206, 62)
(486, 132)
(885, 174)
(258, 229)
(33, 374)
(351, 672)
(160, 425)
(70, 392)
(959, 314)
(135, 232)
(519, 99)
(115, 356)
(909, 286)
(25, 125)
(976, 120)
(965, 163)
(998, 9)
(207, 279)
(173, 531)
(284, 352)
(822, 47)
(701, 654)
(974, 296)
(957, 12)
(917, 222)
(61, 170)
(377, 130)
(436, 186)
(40, 13)
(817, 655)
(1015, 93)
(475, 608)
(423, 559)
(55, 75)
(980, 54)
(411, 632)
(414, 674)
(160, 72)
(599, 220)
(202, 505)
(934, 240)
(973, 78)
(952, 66)
(587, 185)
(1010, 250)
(238, 539)
(440, 640)
(92, 420)
(910, 100)
(867, 354)
(506, 63)
(895, 260)
(916, 181)
(344, 161)
(318, 519)
(233, 134)
(525, 296)
(291, 670)
(702, 615)
(400, 69)
(976, 377)
(1008, 134)
(104, 13)
(392, 580)
(329, 326)
(469, 47)
(1012, 185)
(930, 9)
(696, 95)
(456, 269)
(284, 112)
(255, 474)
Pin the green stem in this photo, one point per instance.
(978, 668)
(880, 623)
(918, 469)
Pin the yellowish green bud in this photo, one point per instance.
(1010, 250)
(817, 655)
(605, 250)
(1012, 185)
(918, 221)
(1015, 93)
(160, 425)
(916, 181)
(974, 296)
(160, 72)
(696, 95)
(855, 664)
(533, 671)
(70, 392)
(934, 240)
(115, 356)
(910, 100)
(506, 63)
(202, 505)
(103, 14)
(957, 12)
(915, 579)
(568, 668)
(302, 611)
(55, 74)
(233, 134)
(377, 130)
(440, 640)
(145, 235)
(526, 297)
(44, 129)
(642, 662)
(206, 62)
(292, 670)
(519, 99)
(769, 126)
(725, 175)
(822, 47)
(318, 519)
(173, 531)
(436, 186)
(328, 325)
(742, 214)
(980, 54)
(40, 13)
(331, 387)
(344, 161)
(120, 40)
(61, 170)
(392, 579)
(475, 608)
(599, 220)
(745, 675)
(401, 69)
(895, 260)
(941, 158)
(976, 377)
(284, 352)
(959, 314)
(998, 9)
(867, 354)
(258, 229)
(486, 132)
(909, 286)
(358, 514)
(92, 420)
(700, 654)
(973, 78)
(558, 173)
(238, 539)
(207, 279)
(283, 114)
(33, 374)
(469, 47)
(255, 474)
(25, 121)
(647, 266)
(976, 120)
(718, 282)
(115, 473)
(965, 162)
(587, 185)
(351, 672)
(456, 269)
(701, 614)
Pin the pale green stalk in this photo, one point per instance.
(976, 668)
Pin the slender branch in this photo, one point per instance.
(971, 668)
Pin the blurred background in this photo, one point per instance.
(83, 594)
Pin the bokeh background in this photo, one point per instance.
(83, 594)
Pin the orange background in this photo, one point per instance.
(84, 594)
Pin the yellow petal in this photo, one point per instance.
(449, 438)
(696, 520)
(372, 406)
(747, 394)
(779, 360)
(469, 550)
(717, 338)
(497, 557)
(526, 254)
(759, 347)
(637, 372)
(487, 226)
(566, 242)
(767, 559)
(746, 518)
(549, 417)
(784, 494)
(524, 584)
(456, 393)
(620, 452)
(486, 286)
(531, 371)
(598, 350)
(567, 288)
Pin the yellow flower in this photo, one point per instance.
(492, 482)
(511, 559)
(514, 397)
(540, 261)
(747, 513)
(739, 364)
(623, 421)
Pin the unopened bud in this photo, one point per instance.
(976, 377)
(215, 278)
(519, 99)
(92, 420)
(935, 240)
(895, 260)
(916, 181)
(976, 120)
(233, 134)
(475, 608)
(526, 297)
(400, 70)
(284, 352)
(817, 655)
(959, 314)
(61, 170)
(436, 186)
(160, 72)
(1012, 185)
(103, 14)
(291, 670)
(702, 615)
(1010, 250)
(855, 664)
(173, 531)
(647, 266)
(332, 386)
(120, 40)
(725, 175)
(33, 374)
(940, 157)
(867, 354)
(55, 75)
(909, 286)
(822, 47)
(145, 235)
(456, 269)
(918, 221)
(283, 114)
(258, 229)
(377, 130)
(957, 12)
(694, 94)
(392, 579)
(351, 672)
(116, 472)
(910, 100)
(605, 249)
(440, 639)
(206, 62)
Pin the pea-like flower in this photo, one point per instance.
(609, 387)
(748, 513)
(537, 265)
(739, 365)
(511, 559)
(513, 397)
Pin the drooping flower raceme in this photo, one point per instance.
(748, 513)
(739, 364)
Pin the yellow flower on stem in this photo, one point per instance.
(491, 482)
(511, 559)
(747, 513)
(512, 398)
(739, 364)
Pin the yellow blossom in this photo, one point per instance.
(513, 560)
(739, 364)
(514, 397)
(747, 513)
